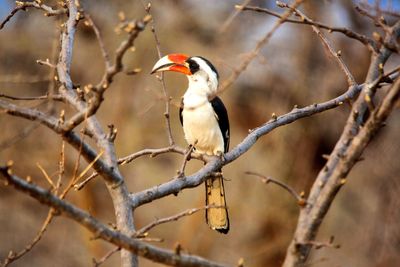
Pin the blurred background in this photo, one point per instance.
(292, 69)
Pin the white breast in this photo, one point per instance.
(201, 128)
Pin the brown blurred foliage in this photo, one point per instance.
(293, 69)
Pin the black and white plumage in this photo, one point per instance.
(205, 124)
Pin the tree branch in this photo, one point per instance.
(356, 135)
(299, 197)
(253, 54)
(336, 55)
(35, 4)
(349, 33)
(102, 231)
(177, 184)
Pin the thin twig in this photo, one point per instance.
(299, 197)
(89, 22)
(102, 231)
(167, 98)
(188, 212)
(232, 16)
(50, 215)
(24, 5)
(48, 179)
(319, 245)
(42, 97)
(186, 158)
(336, 55)
(349, 33)
(97, 263)
(46, 63)
(254, 53)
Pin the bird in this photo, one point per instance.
(205, 123)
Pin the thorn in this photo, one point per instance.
(342, 181)
(339, 53)
(29, 179)
(274, 117)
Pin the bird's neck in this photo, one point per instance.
(199, 92)
(194, 98)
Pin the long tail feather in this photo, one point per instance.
(217, 218)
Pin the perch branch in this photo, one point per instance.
(177, 184)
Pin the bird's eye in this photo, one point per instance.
(193, 66)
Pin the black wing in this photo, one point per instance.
(222, 118)
(223, 121)
(180, 112)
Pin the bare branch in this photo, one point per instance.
(24, 5)
(43, 97)
(350, 79)
(97, 263)
(299, 197)
(186, 158)
(356, 135)
(253, 54)
(177, 184)
(232, 16)
(188, 212)
(100, 230)
(167, 98)
(349, 33)
(15, 256)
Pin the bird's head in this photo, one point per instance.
(202, 75)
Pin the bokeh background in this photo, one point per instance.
(292, 69)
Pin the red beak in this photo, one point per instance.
(172, 62)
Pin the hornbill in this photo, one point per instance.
(205, 124)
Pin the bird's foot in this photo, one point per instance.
(221, 155)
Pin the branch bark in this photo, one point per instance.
(356, 135)
(100, 230)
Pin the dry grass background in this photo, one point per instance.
(292, 69)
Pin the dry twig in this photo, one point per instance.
(299, 197)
